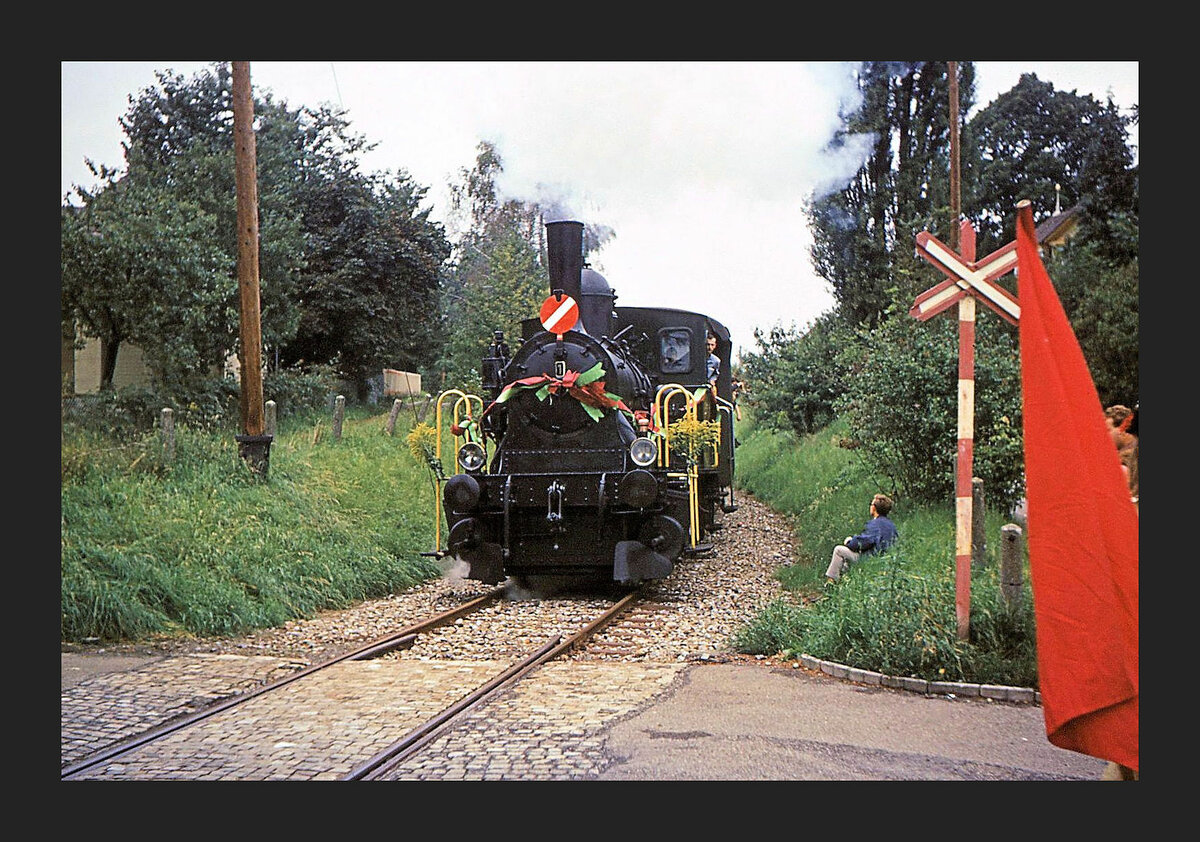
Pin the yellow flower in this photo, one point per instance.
(691, 436)
(422, 444)
(941, 670)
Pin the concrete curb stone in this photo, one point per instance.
(960, 689)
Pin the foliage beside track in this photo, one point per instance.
(202, 547)
(894, 613)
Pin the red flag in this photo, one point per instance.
(1083, 531)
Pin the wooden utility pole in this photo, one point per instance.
(254, 446)
(955, 183)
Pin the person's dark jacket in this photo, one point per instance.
(879, 534)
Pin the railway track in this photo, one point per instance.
(390, 758)
(214, 742)
(550, 724)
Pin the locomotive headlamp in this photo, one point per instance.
(643, 451)
(471, 456)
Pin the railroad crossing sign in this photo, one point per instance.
(969, 279)
(966, 276)
(559, 314)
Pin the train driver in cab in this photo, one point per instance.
(713, 368)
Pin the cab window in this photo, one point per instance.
(675, 350)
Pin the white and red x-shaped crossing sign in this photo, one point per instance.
(966, 276)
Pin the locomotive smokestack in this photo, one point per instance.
(564, 253)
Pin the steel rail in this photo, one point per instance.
(422, 735)
(404, 637)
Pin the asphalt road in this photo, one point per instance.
(746, 722)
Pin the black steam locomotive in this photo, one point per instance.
(598, 453)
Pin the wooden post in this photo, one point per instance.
(955, 183)
(254, 446)
(339, 412)
(391, 422)
(271, 418)
(168, 434)
(1010, 564)
(978, 527)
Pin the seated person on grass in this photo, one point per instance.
(879, 534)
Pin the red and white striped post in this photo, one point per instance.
(963, 496)
(967, 279)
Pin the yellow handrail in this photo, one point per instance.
(457, 409)
(726, 407)
(661, 408)
(662, 404)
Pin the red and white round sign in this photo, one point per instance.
(559, 315)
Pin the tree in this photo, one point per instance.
(496, 290)
(348, 262)
(167, 280)
(898, 191)
(140, 266)
(1100, 296)
(1031, 139)
(895, 379)
(370, 287)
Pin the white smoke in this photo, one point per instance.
(701, 169)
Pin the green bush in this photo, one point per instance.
(212, 404)
(797, 375)
(892, 392)
(901, 407)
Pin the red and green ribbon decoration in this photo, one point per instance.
(586, 387)
(467, 428)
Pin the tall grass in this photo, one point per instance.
(894, 612)
(202, 546)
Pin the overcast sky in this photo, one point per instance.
(700, 168)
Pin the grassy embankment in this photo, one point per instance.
(202, 547)
(895, 612)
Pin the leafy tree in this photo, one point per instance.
(797, 375)
(1100, 297)
(179, 165)
(140, 266)
(862, 233)
(1031, 139)
(370, 287)
(896, 382)
(348, 263)
(496, 290)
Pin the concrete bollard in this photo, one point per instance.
(168, 434)
(269, 411)
(1011, 578)
(978, 524)
(391, 422)
(339, 412)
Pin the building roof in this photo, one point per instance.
(1057, 229)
